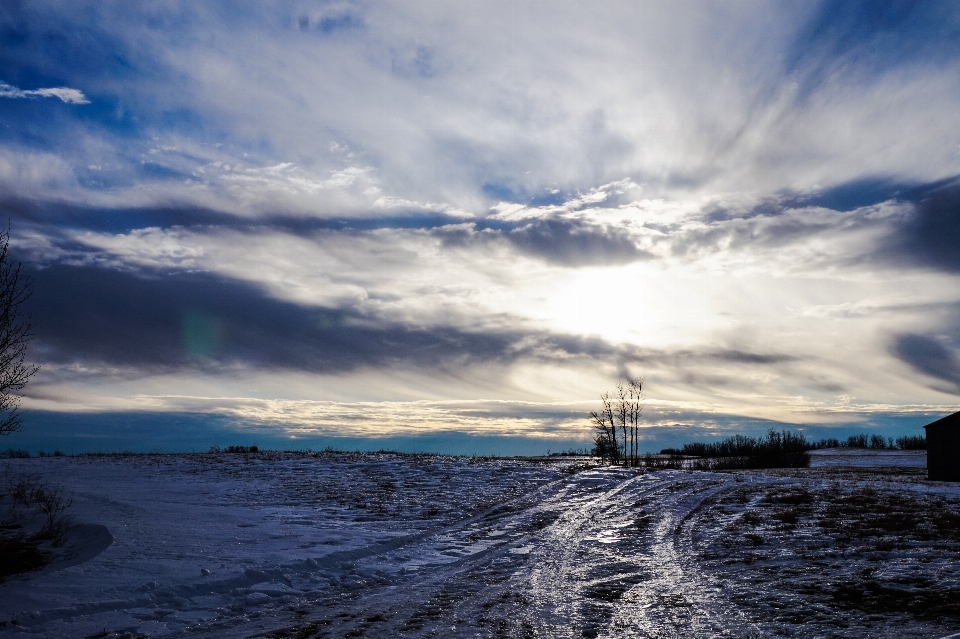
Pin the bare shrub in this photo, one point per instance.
(662, 461)
(23, 499)
(53, 505)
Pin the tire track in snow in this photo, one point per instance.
(488, 587)
(619, 565)
(676, 600)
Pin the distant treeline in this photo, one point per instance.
(13, 453)
(741, 445)
(907, 442)
(268, 454)
(785, 449)
(234, 449)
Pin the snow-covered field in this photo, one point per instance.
(378, 545)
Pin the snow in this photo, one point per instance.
(852, 457)
(381, 545)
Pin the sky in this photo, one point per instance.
(311, 222)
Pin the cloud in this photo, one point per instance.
(475, 113)
(160, 321)
(156, 322)
(70, 96)
(855, 194)
(928, 356)
(742, 199)
(65, 94)
(153, 322)
(571, 244)
(931, 234)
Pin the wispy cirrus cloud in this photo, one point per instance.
(756, 99)
(65, 94)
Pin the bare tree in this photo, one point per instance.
(606, 439)
(623, 413)
(16, 331)
(634, 406)
(620, 411)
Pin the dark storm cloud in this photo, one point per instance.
(926, 234)
(160, 321)
(743, 357)
(686, 357)
(567, 242)
(573, 243)
(560, 241)
(772, 228)
(51, 216)
(928, 356)
(54, 215)
(931, 236)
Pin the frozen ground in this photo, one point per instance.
(374, 545)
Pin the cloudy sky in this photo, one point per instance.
(377, 219)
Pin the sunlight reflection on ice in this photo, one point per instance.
(608, 536)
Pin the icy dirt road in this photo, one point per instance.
(401, 546)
